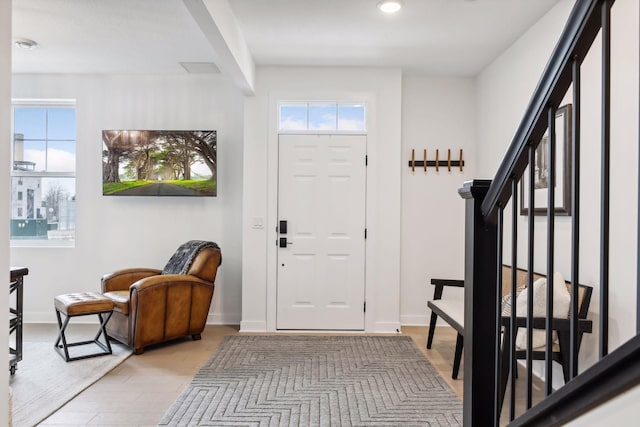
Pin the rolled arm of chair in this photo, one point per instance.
(121, 280)
(164, 280)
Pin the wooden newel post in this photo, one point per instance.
(480, 376)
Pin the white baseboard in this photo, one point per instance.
(223, 319)
(417, 320)
(50, 317)
(386, 328)
(414, 320)
(253, 326)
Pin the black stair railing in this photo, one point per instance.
(485, 372)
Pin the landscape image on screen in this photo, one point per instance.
(159, 163)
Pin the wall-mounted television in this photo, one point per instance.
(159, 163)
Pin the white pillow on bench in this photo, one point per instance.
(561, 305)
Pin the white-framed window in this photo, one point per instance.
(43, 173)
(322, 116)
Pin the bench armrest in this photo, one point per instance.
(448, 282)
(441, 283)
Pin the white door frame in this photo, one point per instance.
(272, 198)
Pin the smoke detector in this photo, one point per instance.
(25, 44)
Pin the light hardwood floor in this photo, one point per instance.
(141, 389)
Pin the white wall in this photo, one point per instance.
(437, 113)
(381, 89)
(504, 89)
(5, 129)
(619, 411)
(506, 85)
(118, 232)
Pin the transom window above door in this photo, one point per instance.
(321, 117)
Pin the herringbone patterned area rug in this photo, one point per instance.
(316, 381)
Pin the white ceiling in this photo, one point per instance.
(107, 36)
(441, 37)
(435, 37)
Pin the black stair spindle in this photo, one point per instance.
(532, 198)
(605, 173)
(498, 392)
(551, 181)
(513, 329)
(575, 220)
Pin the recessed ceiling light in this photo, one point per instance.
(390, 6)
(25, 44)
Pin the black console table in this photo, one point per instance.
(15, 316)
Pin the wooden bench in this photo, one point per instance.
(452, 312)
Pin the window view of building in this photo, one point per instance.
(43, 201)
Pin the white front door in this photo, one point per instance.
(321, 196)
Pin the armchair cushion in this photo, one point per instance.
(120, 300)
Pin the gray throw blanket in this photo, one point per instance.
(181, 260)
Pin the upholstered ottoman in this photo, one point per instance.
(82, 304)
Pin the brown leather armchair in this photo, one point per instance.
(152, 307)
